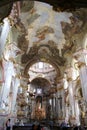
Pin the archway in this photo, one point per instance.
(40, 89)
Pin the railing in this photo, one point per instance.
(29, 127)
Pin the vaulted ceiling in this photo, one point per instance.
(48, 33)
(6, 6)
(49, 36)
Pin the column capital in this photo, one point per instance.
(60, 88)
(69, 79)
(59, 80)
(79, 55)
(6, 20)
(81, 64)
(69, 72)
(18, 76)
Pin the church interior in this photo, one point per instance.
(43, 61)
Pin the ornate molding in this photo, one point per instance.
(81, 64)
(59, 79)
(60, 88)
(80, 53)
(45, 53)
(69, 79)
(68, 72)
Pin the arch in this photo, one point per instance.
(65, 4)
(35, 60)
(44, 53)
(40, 82)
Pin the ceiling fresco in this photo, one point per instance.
(47, 32)
(57, 4)
(48, 36)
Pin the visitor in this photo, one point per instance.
(46, 128)
(21, 123)
(63, 124)
(51, 125)
(8, 124)
(36, 126)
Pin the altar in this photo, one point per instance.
(40, 114)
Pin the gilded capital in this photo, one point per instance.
(59, 80)
(81, 64)
(69, 79)
(80, 55)
(60, 88)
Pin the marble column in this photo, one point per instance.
(83, 78)
(60, 98)
(77, 112)
(67, 112)
(55, 104)
(59, 109)
(4, 34)
(71, 96)
(16, 83)
(70, 72)
(9, 72)
(63, 104)
(81, 60)
(81, 57)
(52, 104)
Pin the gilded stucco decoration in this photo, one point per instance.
(26, 6)
(42, 31)
(22, 43)
(40, 83)
(75, 30)
(45, 53)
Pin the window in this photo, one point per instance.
(39, 91)
(40, 65)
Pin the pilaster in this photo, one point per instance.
(4, 34)
(81, 57)
(71, 105)
(61, 98)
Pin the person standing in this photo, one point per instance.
(8, 124)
(36, 126)
(21, 123)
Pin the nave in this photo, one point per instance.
(43, 62)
